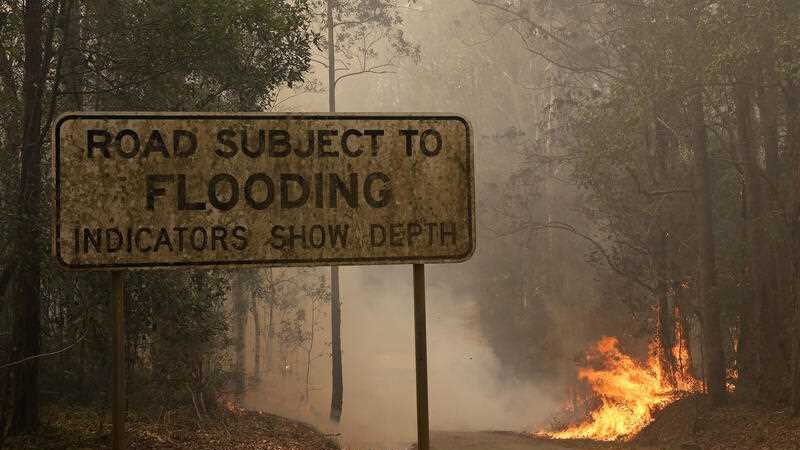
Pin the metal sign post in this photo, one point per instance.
(421, 357)
(118, 361)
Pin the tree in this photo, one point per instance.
(38, 33)
(677, 70)
(318, 294)
(239, 308)
(355, 29)
(722, 80)
(102, 54)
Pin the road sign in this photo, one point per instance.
(210, 189)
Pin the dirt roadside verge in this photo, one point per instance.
(79, 429)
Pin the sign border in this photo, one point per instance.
(191, 265)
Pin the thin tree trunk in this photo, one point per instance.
(310, 350)
(337, 384)
(336, 352)
(239, 309)
(74, 84)
(714, 360)
(257, 339)
(663, 144)
(269, 352)
(779, 304)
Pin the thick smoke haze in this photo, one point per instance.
(623, 175)
(470, 388)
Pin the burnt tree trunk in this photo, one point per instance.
(763, 365)
(713, 356)
(664, 144)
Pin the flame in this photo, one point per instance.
(731, 377)
(684, 380)
(629, 391)
(732, 373)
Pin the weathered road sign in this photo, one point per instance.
(192, 189)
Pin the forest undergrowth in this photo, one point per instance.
(83, 429)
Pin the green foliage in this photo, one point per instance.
(368, 36)
(135, 55)
(194, 55)
(629, 75)
(177, 326)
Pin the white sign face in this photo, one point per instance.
(204, 189)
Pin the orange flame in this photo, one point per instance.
(629, 391)
(732, 373)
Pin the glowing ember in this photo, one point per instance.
(629, 391)
(731, 377)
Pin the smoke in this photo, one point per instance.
(461, 70)
(467, 388)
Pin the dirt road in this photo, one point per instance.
(491, 440)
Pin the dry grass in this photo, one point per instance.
(692, 424)
(81, 429)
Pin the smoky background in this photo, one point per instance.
(506, 328)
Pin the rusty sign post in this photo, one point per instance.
(421, 358)
(202, 190)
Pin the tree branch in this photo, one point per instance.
(609, 260)
(44, 355)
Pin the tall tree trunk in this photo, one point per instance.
(336, 353)
(714, 358)
(26, 340)
(751, 337)
(337, 384)
(73, 85)
(664, 144)
(778, 305)
(763, 367)
(792, 101)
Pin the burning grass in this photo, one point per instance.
(628, 391)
